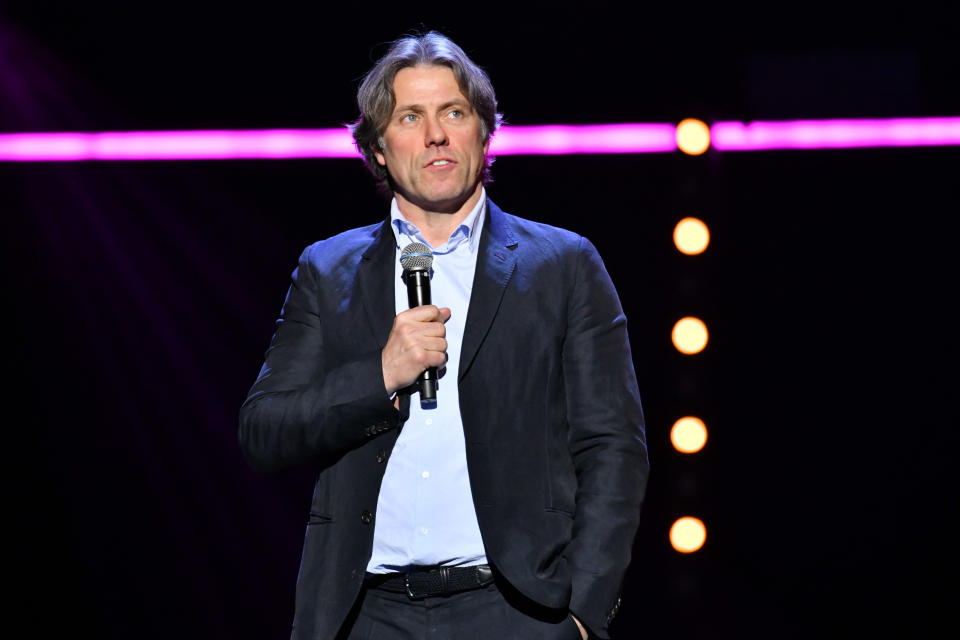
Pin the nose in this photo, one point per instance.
(435, 134)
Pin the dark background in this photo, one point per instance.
(140, 298)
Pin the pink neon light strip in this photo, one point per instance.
(584, 138)
(835, 134)
(315, 143)
(510, 140)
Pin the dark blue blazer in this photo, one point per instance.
(554, 431)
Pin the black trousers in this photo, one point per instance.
(490, 612)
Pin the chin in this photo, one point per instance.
(444, 200)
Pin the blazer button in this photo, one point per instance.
(366, 517)
(381, 455)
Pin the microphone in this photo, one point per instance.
(417, 258)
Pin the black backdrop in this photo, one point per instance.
(140, 298)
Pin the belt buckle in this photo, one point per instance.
(410, 592)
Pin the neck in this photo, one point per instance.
(437, 225)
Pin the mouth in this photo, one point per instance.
(440, 162)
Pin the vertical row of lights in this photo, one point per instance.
(689, 433)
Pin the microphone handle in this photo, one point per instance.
(418, 294)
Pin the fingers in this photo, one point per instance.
(426, 313)
(430, 358)
(426, 320)
(434, 344)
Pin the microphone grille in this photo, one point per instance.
(416, 256)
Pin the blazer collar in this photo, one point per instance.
(495, 266)
(376, 268)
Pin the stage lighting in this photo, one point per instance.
(691, 236)
(693, 136)
(688, 434)
(689, 335)
(688, 534)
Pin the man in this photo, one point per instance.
(508, 509)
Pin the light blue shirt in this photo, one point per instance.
(425, 513)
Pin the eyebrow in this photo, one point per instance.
(460, 102)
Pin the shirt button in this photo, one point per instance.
(429, 421)
(381, 455)
(425, 474)
(366, 517)
(424, 530)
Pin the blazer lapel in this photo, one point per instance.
(375, 272)
(496, 263)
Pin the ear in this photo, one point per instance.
(380, 159)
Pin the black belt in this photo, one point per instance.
(439, 581)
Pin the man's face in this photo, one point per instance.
(433, 147)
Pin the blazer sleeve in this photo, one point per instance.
(607, 442)
(306, 405)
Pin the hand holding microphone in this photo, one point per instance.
(416, 346)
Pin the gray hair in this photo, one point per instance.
(377, 101)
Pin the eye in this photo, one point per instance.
(456, 113)
(410, 117)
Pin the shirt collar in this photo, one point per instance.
(469, 230)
